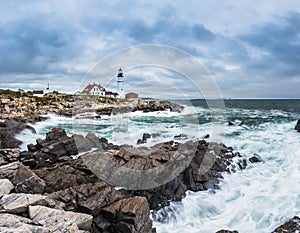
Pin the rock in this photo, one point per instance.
(51, 217)
(162, 105)
(293, 225)
(9, 155)
(206, 136)
(5, 187)
(88, 198)
(192, 178)
(8, 130)
(180, 137)
(48, 151)
(130, 215)
(255, 159)
(144, 138)
(227, 231)
(18, 224)
(65, 175)
(23, 178)
(297, 127)
(19, 202)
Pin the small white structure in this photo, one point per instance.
(120, 78)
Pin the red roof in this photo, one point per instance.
(89, 87)
(38, 92)
(111, 93)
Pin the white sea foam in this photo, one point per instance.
(257, 199)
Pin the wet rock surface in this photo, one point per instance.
(8, 129)
(291, 226)
(297, 127)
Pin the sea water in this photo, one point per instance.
(256, 199)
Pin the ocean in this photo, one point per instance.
(256, 199)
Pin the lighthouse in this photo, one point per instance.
(120, 78)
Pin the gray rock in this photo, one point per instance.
(19, 202)
(5, 187)
(129, 215)
(22, 177)
(9, 155)
(48, 217)
(13, 223)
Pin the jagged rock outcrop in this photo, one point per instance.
(293, 225)
(51, 168)
(219, 158)
(162, 105)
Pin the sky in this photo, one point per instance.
(250, 50)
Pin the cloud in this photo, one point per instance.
(253, 45)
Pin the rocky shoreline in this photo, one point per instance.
(32, 109)
(48, 188)
(45, 189)
(45, 185)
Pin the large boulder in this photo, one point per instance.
(88, 198)
(18, 224)
(19, 202)
(297, 127)
(130, 215)
(23, 178)
(64, 175)
(54, 218)
(212, 158)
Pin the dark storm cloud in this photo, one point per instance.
(279, 44)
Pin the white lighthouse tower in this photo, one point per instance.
(120, 78)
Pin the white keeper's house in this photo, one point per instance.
(99, 90)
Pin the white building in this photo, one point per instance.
(120, 78)
(97, 89)
(94, 89)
